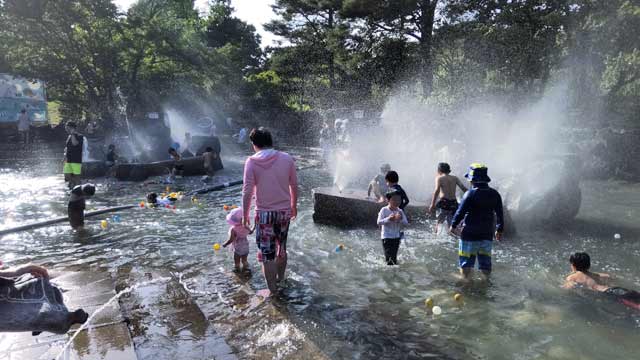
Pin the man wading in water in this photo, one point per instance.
(73, 155)
(271, 176)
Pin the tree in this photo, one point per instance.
(411, 20)
(70, 45)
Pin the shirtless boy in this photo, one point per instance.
(582, 277)
(444, 195)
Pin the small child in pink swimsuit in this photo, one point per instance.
(238, 240)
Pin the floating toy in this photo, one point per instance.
(428, 303)
(437, 310)
(339, 248)
(225, 207)
(141, 204)
(104, 224)
(216, 246)
(168, 206)
(116, 218)
(457, 297)
(617, 236)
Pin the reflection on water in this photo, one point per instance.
(348, 304)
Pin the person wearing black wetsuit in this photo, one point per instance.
(77, 204)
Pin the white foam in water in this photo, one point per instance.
(101, 308)
(281, 336)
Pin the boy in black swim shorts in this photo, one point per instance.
(581, 276)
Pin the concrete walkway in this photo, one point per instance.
(107, 337)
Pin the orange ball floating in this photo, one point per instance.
(225, 207)
(141, 204)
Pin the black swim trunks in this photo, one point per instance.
(628, 297)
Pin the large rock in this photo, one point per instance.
(351, 207)
(548, 194)
(137, 172)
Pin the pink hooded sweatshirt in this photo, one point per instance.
(271, 176)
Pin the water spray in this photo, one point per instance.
(101, 308)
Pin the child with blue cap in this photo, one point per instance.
(480, 209)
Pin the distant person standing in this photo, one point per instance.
(271, 176)
(73, 153)
(112, 156)
(480, 209)
(187, 145)
(24, 125)
(242, 135)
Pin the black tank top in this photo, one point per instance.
(74, 153)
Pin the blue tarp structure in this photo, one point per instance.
(18, 93)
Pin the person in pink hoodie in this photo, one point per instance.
(270, 175)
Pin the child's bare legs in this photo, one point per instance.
(437, 227)
(245, 264)
(236, 260)
(282, 266)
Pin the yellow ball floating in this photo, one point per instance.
(457, 297)
(216, 246)
(104, 224)
(428, 303)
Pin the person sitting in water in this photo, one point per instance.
(177, 169)
(379, 185)
(444, 195)
(392, 180)
(154, 200)
(480, 209)
(29, 302)
(238, 233)
(77, 204)
(111, 157)
(582, 277)
(391, 218)
(209, 157)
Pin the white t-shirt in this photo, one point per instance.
(23, 122)
(390, 229)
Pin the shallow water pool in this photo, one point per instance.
(348, 305)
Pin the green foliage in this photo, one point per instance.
(336, 54)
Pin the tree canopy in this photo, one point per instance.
(101, 63)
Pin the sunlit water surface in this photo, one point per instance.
(348, 303)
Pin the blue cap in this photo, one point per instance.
(478, 173)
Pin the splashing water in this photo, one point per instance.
(283, 336)
(101, 308)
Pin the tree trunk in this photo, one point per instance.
(428, 9)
